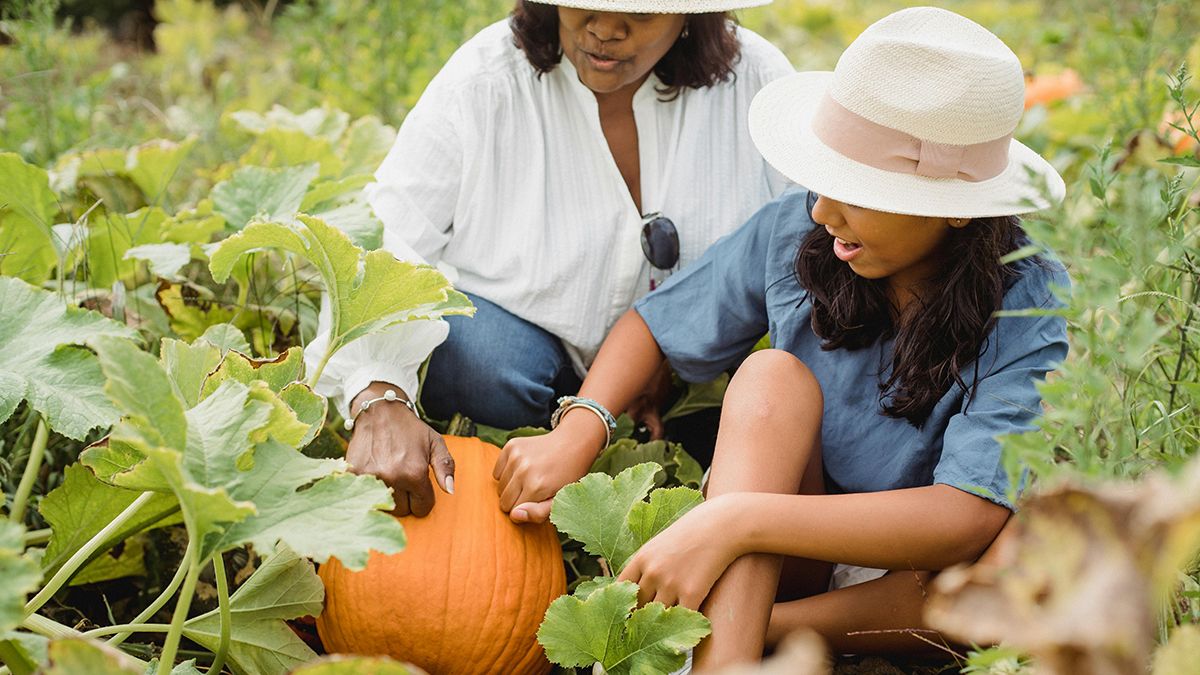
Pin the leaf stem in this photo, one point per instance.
(81, 556)
(32, 466)
(37, 537)
(226, 615)
(312, 381)
(128, 628)
(48, 627)
(162, 598)
(13, 657)
(171, 644)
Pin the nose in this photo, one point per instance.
(825, 212)
(606, 26)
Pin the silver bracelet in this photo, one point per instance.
(567, 403)
(389, 395)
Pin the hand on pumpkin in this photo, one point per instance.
(645, 409)
(680, 564)
(531, 470)
(392, 443)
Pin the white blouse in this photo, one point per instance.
(504, 179)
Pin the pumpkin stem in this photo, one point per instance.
(226, 614)
(171, 644)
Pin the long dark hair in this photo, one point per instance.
(938, 335)
(704, 58)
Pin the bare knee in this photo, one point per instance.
(772, 382)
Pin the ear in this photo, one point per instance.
(958, 223)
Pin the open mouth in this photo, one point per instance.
(845, 250)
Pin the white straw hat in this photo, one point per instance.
(657, 6)
(917, 118)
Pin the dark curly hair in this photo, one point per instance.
(704, 58)
(938, 334)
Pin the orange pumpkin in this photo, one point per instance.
(1047, 89)
(467, 594)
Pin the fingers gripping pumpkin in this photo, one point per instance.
(467, 594)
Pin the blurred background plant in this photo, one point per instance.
(300, 99)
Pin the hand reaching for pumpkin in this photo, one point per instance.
(531, 470)
(392, 443)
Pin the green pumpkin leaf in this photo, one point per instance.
(227, 337)
(676, 463)
(144, 394)
(23, 651)
(27, 212)
(368, 291)
(37, 364)
(20, 574)
(266, 194)
(82, 506)
(194, 226)
(111, 235)
(153, 165)
(595, 511)
(286, 147)
(326, 191)
(328, 123)
(284, 587)
(647, 519)
(356, 219)
(188, 365)
(339, 515)
(278, 372)
(192, 310)
(165, 259)
(365, 144)
(71, 656)
(604, 628)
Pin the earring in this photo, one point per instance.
(684, 34)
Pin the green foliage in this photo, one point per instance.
(600, 625)
(368, 292)
(597, 623)
(20, 575)
(38, 363)
(27, 209)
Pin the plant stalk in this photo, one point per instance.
(129, 628)
(226, 615)
(32, 466)
(37, 537)
(48, 627)
(162, 598)
(171, 645)
(81, 556)
(10, 655)
(312, 381)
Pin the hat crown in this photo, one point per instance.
(934, 75)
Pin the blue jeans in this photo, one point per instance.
(498, 370)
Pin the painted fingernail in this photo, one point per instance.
(450, 484)
(521, 514)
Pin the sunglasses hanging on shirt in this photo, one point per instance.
(660, 243)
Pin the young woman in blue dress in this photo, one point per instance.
(859, 455)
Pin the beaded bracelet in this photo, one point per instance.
(389, 395)
(569, 402)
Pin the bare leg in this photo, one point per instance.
(769, 441)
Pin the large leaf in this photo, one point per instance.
(339, 515)
(72, 656)
(595, 511)
(23, 651)
(328, 123)
(20, 574)
(153, 165)
(83, 505)
(677, 465)
(62, 383)
(165, 259)
(267, 194)
(27, 210)
(187, 366)
(112, 235)
(604, 628)
(368, 291)
(285, 587)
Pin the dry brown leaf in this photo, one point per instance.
(1081, 575)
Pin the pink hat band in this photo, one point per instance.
(866, 142)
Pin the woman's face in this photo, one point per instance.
(905, 250)
(615, 50)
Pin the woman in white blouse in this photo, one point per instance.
(524, 172)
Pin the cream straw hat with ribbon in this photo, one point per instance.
(658, 6)
(917, 118)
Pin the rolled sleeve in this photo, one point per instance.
(1022, 350)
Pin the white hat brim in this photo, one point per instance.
(657, 6)
(781, 127)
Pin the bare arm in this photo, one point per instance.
(925, 528)
(531, 470)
